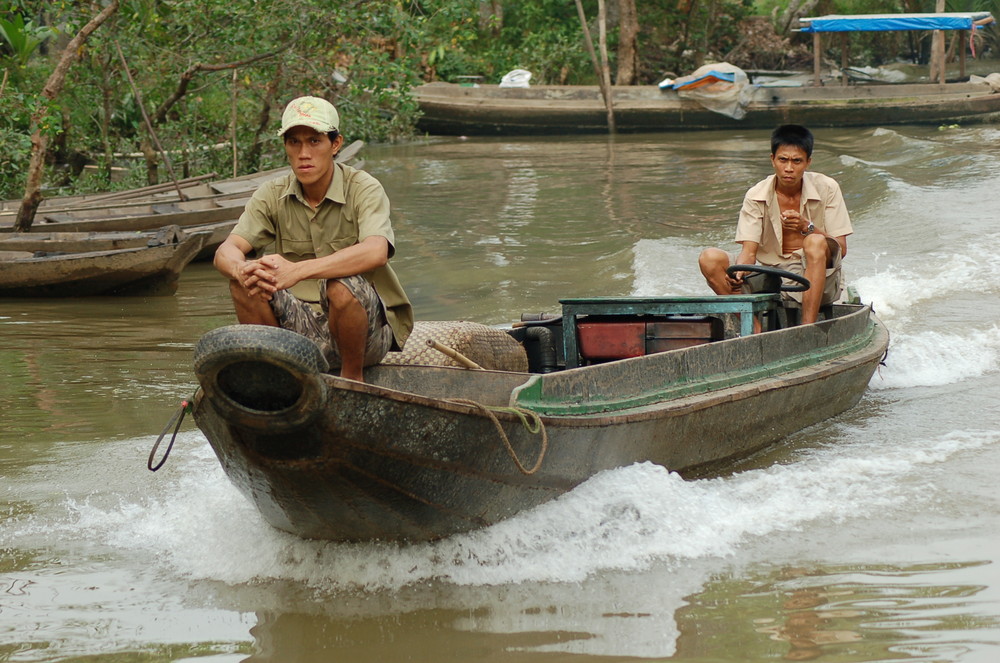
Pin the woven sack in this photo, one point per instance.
(490, 347)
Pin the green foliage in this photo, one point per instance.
(22, 38)
(365, 55)
(14, 146)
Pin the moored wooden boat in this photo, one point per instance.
(685, 104)
(450, 109)
(148, 208)
(84, 264)
(188, 186)
(141, 216)
(213, 234)
(421, 452)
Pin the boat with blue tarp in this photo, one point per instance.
(720, 96)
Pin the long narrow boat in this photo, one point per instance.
(54, 243)
(451, 109)
(196, 185)
(462, 109)
(86, 264)
(420, 451)
(150, 208)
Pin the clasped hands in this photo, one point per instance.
(263, 277)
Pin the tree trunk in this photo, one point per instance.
(628, 41)
(39, 142)
(150, 156)
(491, 16)
(108, 107)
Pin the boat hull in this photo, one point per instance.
(489, 110)
(407, 457)
(79, 264)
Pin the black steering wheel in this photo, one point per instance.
(803, 282)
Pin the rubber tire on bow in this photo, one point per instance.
(228, 359)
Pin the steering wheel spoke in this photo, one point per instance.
(801, 282)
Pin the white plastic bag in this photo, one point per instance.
(516, 78)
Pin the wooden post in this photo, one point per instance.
(817, 55)
(938, 66)
(961, 53)
(843, 58)
(942, 58)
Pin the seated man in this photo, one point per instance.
(794, 220)
(327, 227)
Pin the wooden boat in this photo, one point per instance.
(139, 216)
(189, 186)
(150, 208)
(420, 452)
(457, 109)
(212, 234)
(450, 109)
(83, 264)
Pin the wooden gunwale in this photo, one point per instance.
(782, 372)
(579, 109)
(382, 462)
(143, 269)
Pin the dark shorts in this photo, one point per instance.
(302, 317)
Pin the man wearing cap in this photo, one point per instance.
(321, 240)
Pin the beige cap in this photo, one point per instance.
(313, 112)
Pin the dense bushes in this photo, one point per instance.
(198, 64)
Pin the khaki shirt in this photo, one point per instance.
(277, 219)
(760, 218)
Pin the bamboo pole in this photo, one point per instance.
(454, 354)
(235, 71)
(149, 125)
(589, 42)
(602, 42)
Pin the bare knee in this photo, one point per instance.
(251, 310)
(713, 261)
(816, 248)
(340, 297)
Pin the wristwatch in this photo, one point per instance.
(809, 229)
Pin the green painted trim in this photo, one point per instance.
(530, 395)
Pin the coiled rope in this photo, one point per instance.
(534, 427)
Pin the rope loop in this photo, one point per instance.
(177, 417)
(534, 426)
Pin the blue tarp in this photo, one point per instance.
(693, 81)
(887, 22)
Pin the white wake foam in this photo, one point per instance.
(195, 523)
